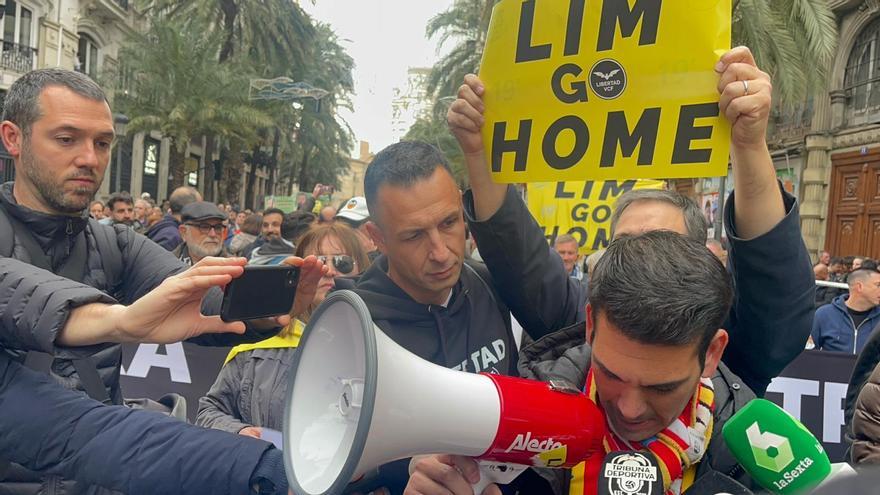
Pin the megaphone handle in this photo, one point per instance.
(496, 472)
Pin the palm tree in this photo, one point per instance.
(793, 40)
(323, 139)
(179, 89)
(465, 23)
(275, 33)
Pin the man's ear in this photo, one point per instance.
(376, 235)
(591, 331)
(12, 138)
(181, 228)
(714, 352)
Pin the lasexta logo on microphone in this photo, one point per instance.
(773, 452)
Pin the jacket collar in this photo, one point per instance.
(47, 229)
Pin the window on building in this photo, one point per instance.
(151, 157)
(862, 76)
(87, 56)
(18, 24)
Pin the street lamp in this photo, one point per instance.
(120, 122)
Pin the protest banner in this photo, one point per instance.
(811, 388)
(605, 89)
(581, 209)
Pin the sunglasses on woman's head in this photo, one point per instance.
(343, 263)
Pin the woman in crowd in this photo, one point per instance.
(250, 229)
(249, 392)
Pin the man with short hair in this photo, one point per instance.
(421, 292)
(655, 372)
(58, 127)
(202, 230)
(820, 271)
(270, 245)
(355, 214)
(837, 270)
(771, 266)
(141, 209)
(825, 258)
(566, 247)
(846, 324)
(166, 232)
(121, 210)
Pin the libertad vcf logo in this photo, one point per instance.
(771, 451)
(608, 79)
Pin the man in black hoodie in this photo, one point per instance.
(421, 292)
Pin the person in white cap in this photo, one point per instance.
(355, 214)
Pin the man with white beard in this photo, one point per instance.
(203, 229)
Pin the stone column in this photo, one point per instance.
(814, 199)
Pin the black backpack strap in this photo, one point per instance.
(111, 255)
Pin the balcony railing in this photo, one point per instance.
(17, 58)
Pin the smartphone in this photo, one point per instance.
(261, 291)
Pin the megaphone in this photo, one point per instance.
(358, 400)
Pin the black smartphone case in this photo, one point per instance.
(260, 292)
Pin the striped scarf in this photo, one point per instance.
(678, 448)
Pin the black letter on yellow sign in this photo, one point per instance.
(617, 131)
(578, 88)
(581, 142)
(525, 52)
(618, 11)
(519, 146)
(687, 132)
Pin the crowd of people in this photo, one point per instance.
(77, 278)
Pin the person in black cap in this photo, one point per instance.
(203, 229)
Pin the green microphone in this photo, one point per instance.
(775, 449)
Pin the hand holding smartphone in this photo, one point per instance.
(262, 291)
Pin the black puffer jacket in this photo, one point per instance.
(565, 356)
(35, 303)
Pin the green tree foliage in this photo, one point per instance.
(178, 88)
(793, 40)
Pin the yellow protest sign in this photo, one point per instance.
(605, 89)
(581, 209)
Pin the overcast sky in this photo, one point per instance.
(387, 37)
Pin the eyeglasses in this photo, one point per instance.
(343, 263)
(205, 228)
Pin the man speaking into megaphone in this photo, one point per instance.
(650, 357)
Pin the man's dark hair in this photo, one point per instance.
(273, 211)
(22, 103)
(401, 164)
(837, 260)
(181, 197)
(117, 197)
(640, 288)
(870, 264)
(296, 224)
(694, 221)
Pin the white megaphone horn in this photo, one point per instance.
(358, 400)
